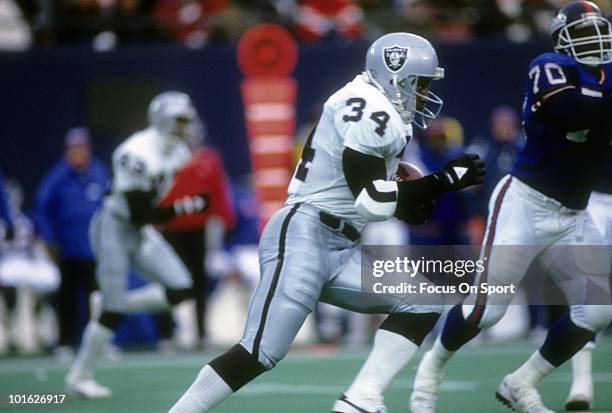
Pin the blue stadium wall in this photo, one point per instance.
(44, 92)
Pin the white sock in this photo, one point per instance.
(582, 361)
(95, 338)
(205, 392)
(534, 370)
(151, 297)
(439, 355)
(389, 355)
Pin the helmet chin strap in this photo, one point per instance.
(406, 114)
(167, 132)
(167, 138)
(589, 62)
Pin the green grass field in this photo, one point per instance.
(305, 382)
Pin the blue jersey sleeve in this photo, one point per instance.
(566, 119)
(557, 90)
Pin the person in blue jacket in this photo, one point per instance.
(66, 200)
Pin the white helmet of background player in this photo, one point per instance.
(402, 66)
(172, 114)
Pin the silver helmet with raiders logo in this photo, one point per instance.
(402, 66)
(173, 115)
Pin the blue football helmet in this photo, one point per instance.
(580, 30)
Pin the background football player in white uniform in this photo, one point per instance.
(123, 239)
(309, 249)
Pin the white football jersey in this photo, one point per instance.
(359, 117)
(146, 161)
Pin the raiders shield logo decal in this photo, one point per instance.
(395, 57)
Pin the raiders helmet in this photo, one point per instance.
(173, 114)
(580, 30)
(402, 66)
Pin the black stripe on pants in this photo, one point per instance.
(275, 277)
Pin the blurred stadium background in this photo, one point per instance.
(98, 63)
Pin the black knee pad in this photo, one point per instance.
(413, 326)
(111, 319)
(237, 367)
(176, 296)
(457, 330)
(10, 296)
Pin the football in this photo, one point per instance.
(408, 172)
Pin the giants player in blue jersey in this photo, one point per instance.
(567, 117)
(600, 207)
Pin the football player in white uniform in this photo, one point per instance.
(538, 212)
(309, 250)
(600, 208)
(123, 238)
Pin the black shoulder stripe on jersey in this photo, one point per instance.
(275, 277)
(361, 169)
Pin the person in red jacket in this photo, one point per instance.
(188, 233)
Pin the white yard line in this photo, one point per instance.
(257, 389)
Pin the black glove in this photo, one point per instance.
(418, 215)
(188, 205)
(466, 170)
